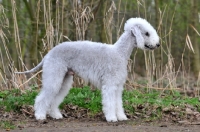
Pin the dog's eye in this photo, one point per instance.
(147, 34)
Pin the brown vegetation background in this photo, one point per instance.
(30, 28)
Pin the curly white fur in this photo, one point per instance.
(103, 65)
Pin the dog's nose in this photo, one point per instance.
(158, 45)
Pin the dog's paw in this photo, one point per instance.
(122, 117)
(56, 115)
(40, 117)
(111, 119)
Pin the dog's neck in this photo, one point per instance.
(125, 44)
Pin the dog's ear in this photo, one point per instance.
(138, 36)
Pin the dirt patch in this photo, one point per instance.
(30, 125)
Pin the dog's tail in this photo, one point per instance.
(35, 69)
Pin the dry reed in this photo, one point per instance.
(159, 76)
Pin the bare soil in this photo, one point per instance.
(102, 126)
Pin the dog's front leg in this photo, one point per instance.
(119, 104)
(108, 102)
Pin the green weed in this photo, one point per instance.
(84, 97)
(7, 125)
(134, 101)
(14, 99)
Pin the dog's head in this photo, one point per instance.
(145, 35)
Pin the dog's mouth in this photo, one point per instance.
(149, 47)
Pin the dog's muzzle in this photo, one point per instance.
(151, 47)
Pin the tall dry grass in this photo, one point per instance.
(158, 75)
(8, 77)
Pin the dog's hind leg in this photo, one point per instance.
(54, 111)
(52, 81)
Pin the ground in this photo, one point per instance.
(102, 126)
(79, 121)
(145, 117)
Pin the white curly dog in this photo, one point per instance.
(105, 66)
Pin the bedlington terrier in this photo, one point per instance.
(105, 66)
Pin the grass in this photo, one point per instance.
(13, 100)
(84, 97)
(156, 98)
(154, 104)
(7, 125)
(147, 105)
